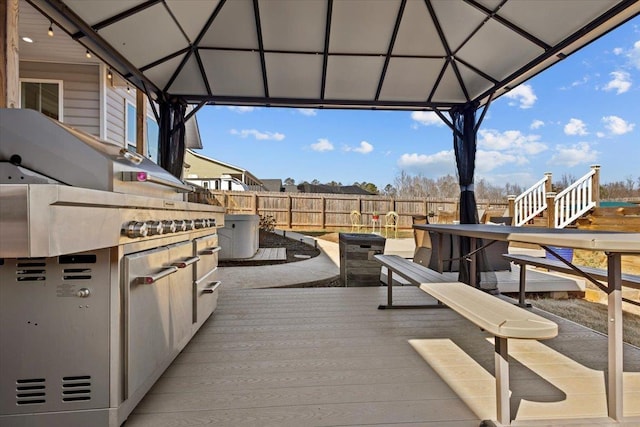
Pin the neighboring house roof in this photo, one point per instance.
(291, 188)
(332, 189)
(273, 185)
(203, 167)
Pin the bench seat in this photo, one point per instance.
(590, 273)
(628, 280)
(413, 272)
(496, 316)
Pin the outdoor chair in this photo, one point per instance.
(391, 222)
(356, 223)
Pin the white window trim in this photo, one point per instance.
(126, 122)
(127, 102)
(60, 93)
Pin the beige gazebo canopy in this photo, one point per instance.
(400, 54)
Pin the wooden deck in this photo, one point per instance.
(328, 357)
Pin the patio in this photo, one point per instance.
(327, 356)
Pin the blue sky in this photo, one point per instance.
(584, 110)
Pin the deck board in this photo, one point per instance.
(327, 356)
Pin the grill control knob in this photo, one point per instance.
(190, 224)
(168, 227)
(83, 293)
(154, 227)
(181, 225)
(199, 223)
(136, 229)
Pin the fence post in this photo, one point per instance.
(323, 211)
(255, 203)
(289, 211)
(595, 184)
(548, 185)
(511, 198)
(551, 209)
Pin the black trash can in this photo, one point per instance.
(357, 265)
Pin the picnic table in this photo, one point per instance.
(614, 244)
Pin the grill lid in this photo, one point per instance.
(36, 145)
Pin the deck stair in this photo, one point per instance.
(540, 206)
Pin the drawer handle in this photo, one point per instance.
(210, 251)
(212, 287)
(187, 262)
(151, 279)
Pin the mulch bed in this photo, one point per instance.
(273, 240)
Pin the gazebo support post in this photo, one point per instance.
(171, 136)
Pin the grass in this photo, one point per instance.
(590, 314)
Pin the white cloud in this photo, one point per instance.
(512, 141)
(618, 51)
(438, 164)
(487, 161)
(569, 156)
(323, 144)
(575, 127)
(363, 148)
(536, 124)
(260, 136)
(620, 82)
(307, 111)
(427, 118)
(576, 83)
(634, 55)
(617, 126)
(241, 110)
(523, 94)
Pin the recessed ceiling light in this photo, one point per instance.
(28, 39)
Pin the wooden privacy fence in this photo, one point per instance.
(331, 211)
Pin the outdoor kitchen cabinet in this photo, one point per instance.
(160, 309)
(181, 293)
(205, 286)
(149, 318)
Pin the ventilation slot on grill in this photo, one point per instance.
(76, 389)
(76, 274)
(31, 270)
(30, 391)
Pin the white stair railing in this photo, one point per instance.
(574, 201)
(530, 203)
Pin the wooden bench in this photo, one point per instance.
(589, 273)
(412, 272)
(498, 317)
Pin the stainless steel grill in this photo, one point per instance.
(106, 272)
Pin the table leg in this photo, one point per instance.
(473, 280)
(502, 381)
(523, 281)
(389, 287)
(615, 368)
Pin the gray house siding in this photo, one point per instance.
(81, 91)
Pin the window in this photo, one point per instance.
(153, 131)
(44, 96)
(130, 126)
